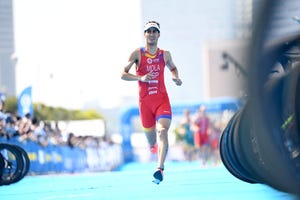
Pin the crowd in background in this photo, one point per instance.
(199, 135)
(13, 127)
(51, 150)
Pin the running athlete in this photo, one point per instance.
(154, 104)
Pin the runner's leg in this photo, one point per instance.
(162, 127)
(150, 135)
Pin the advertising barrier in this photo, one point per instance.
(64, 159)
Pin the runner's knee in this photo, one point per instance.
(162, 132)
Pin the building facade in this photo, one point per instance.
(199, 32)
(7, 49)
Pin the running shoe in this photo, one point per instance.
(158, 176)
(153, 149)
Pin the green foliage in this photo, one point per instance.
(44, 112)
(58, 113)
(11, 104)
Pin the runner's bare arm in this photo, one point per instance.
(127, 76)
(133, 59)
(172, 67)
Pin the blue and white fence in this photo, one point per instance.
(63, 159)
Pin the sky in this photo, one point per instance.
(72, 51)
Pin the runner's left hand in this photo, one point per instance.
(177, 81)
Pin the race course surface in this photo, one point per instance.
(182, 180)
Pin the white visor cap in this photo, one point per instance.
(151, 25)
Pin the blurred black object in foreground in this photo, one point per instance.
(259, 148)
(14, 163)
(261, 143)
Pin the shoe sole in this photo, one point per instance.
(156, 181)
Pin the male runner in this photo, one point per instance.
(154, 104)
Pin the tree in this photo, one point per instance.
(46, 113)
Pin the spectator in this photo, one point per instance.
(201, 135)
(39, 132)
(185, 133)
(54, 135)
(2, 124)
(25, 129)
(2, 102)
(186, 124)
(214, 139)
(71, 141)
(10, 127)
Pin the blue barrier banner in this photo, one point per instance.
(64, 159)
